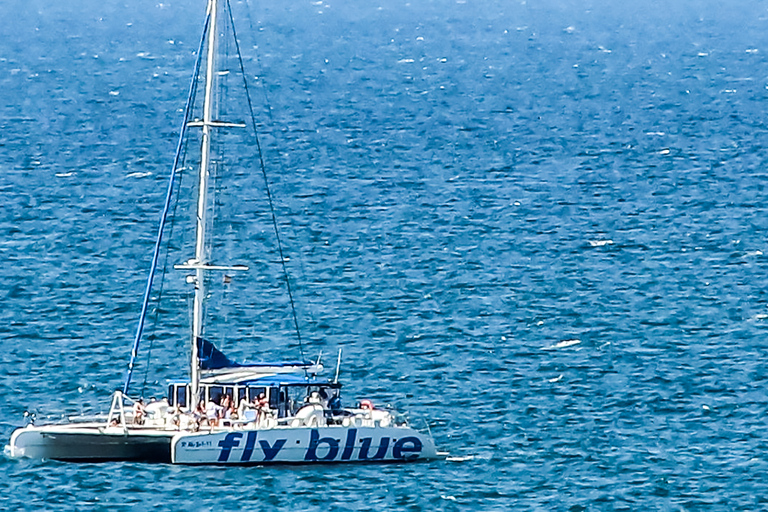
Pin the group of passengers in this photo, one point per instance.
(222, 408)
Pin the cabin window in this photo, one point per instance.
(290, 400)
(215, 391)
(273, 398)
(277, 401)
(180, 396)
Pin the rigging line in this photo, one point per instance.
(263, 88)
(215, 170)
(165, 260)
(153, 337)
(266, 183)
(163, 217)
(218, 149)
(261, 69)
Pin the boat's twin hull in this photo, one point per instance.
(91, 443)
(302, 445)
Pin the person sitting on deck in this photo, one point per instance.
(173, 416)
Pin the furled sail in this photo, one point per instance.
(211, 358)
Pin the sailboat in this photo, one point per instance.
(226, 412)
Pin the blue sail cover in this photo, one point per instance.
(212, 358)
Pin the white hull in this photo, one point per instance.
(91, 442)
(284, 444)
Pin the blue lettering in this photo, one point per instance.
(230, 441)
(410, 452)
(250, 442)
(349, 446)
(271, 451)
(315, 440)
(366, 446)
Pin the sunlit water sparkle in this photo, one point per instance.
(541, 226)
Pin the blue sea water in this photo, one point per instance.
(538, 225)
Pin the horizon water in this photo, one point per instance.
(539, 226)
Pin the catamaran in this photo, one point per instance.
(226, 412)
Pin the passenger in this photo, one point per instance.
(214, 411)
(245, 406)
(323, 398)
(138, 411)
(262, 408)
(314, 398)
(199, 415)
(335, 403)
(366, 405)
(173, 416)
(227, 408)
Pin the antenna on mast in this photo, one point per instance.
(338, 367)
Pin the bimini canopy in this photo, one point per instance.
(283, 380)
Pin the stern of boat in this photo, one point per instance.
(25, 442)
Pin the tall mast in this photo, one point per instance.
(200, 263)
(202, 192)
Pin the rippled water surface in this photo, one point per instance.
(539, 225)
